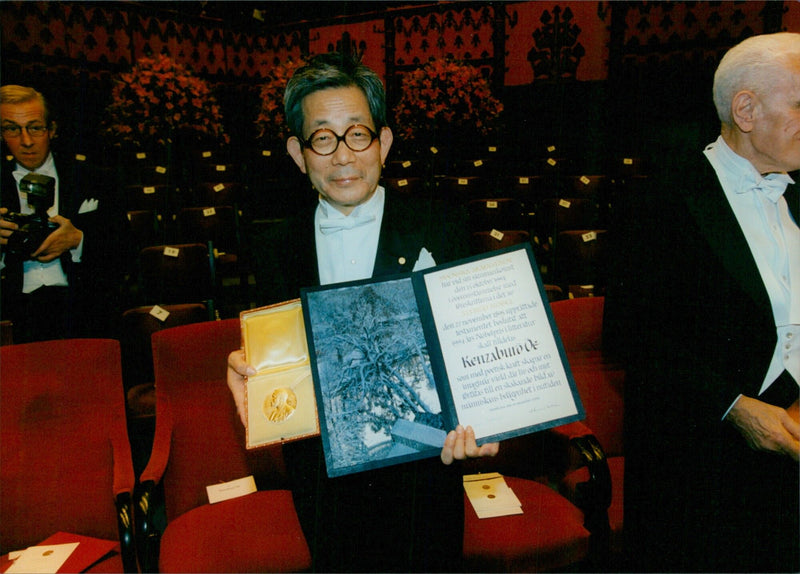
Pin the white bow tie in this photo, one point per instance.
(328, 225)
(772, 187)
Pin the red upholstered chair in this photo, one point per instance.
(178, 273)
(580, 326)
(549, 535)
(408, 186)
(594, 186)
(460, 188)
(495, 213)
(218, 193)
(138, 326)
(562, 214)
(199, 441)
(155, 197)
(600, 384)
(212, 171)
(485, 241)
(143, 229)
(405, 168)
(65, 459)
(581, 257)
(6, 332)
(530, 189)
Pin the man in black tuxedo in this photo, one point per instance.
(708, 316)
(401, 518)
(65, 285)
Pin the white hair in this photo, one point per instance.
(753, 64)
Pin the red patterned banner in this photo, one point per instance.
(568, 37)
(366, 38)
(462, 34)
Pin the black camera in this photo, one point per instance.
(34, 227)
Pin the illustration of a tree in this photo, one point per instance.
(378, 354)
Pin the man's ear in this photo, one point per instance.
(743, 110)
(52, 127)
(386, 138)
(296, 151)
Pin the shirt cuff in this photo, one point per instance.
(733, 404)
(77, 252)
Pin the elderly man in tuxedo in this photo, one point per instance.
(64, 285)
(401, 518)
(709, 319)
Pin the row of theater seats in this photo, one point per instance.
(564, 213)
(568, 228)
(66, 462)
(185, 238)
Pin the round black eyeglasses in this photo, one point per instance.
(325, 141)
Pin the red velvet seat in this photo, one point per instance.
(199, 441)
(580, 325)
(65, 459)
(569, 531)
(548, 536)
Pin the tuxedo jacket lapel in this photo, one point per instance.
(401, 238)
(65, 187)
(306, 246)
(716, 220)
(792, 196)
(10, 196)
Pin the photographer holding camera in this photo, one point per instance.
(58, 231)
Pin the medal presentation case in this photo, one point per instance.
(279, 399)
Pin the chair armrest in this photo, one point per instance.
(593, 496)
(125, 525)
(162, 442)
(596, 492)
(148, 537)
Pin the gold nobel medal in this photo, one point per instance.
(280, 404)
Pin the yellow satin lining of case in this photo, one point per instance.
(276, 338)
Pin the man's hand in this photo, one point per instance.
(6, 227)
(460, 444)
(66, 237)
(766, 427)
(238, 371)
(794, 411)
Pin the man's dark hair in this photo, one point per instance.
(333, 70)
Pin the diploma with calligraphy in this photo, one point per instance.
(397, 362)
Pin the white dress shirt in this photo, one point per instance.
(347, 244)
(774, 240)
